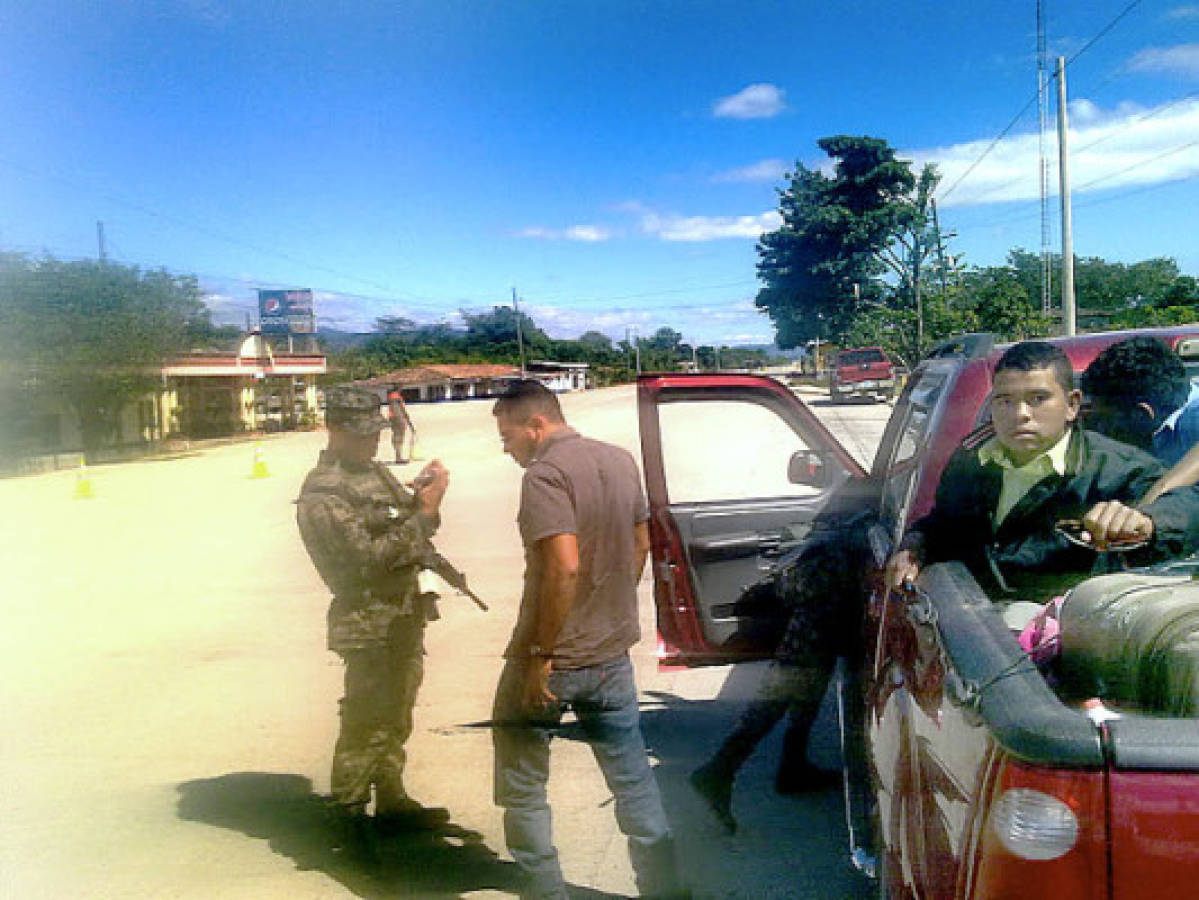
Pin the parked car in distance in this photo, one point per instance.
(980, 780)
(864, 372)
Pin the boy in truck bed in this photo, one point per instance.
(998, 503)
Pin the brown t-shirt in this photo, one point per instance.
(592, 490)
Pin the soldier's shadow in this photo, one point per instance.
(445, 861)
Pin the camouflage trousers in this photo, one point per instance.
(376, 718)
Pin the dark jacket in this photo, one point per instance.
(1025, 558)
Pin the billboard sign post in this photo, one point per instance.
(286, 311)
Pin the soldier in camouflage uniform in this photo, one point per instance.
(822, 588)
(366, 535)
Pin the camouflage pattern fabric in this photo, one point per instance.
(822, 592)
(364, 534)
(376, 717)
(366, 538)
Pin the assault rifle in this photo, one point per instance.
(439, 565)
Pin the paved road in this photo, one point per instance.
(169, 707)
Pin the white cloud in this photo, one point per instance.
(763, 170)
(1108, 150)
(1183, 12)
(758, 101)
(536, 232)
(730, 323)
(1182, 59)
(588, 234)
(709, 228)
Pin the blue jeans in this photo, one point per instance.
(604, 699)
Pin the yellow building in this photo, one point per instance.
(256, 388)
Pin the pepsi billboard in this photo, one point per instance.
(286, 312)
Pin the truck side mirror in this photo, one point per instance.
(806, 467)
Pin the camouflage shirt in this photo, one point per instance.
(366, 537)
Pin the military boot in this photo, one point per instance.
(351, 832)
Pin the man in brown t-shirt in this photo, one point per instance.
(583, 521)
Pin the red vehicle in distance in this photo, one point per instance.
(979, 780)
(864, 372)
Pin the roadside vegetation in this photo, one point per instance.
(860, 259)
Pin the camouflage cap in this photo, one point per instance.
(350, 408)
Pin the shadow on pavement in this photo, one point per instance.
(785, 846)
(440, 862)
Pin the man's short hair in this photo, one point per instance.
(526, 398)
(1029, 355)
(1138, 370)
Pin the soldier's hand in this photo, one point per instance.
(430, 486)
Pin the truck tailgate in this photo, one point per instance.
(1155, 833)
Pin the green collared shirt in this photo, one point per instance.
(1019, 480)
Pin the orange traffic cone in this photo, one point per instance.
(259, 469)
(83, 482)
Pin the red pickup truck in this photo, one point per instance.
(864, 372)
(979, 780)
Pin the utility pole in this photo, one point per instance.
(1063, 152)
(520, 341)
(100, 241)
(940, 249)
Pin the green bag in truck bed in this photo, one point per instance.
(1133, 638)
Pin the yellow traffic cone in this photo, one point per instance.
(83, 482)
(259, 469)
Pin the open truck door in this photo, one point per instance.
(736, 470)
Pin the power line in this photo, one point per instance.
(991, 146)
(1138, 165)
(183, 223)
(1132, 123)
(1036, 96)
(1106, 28)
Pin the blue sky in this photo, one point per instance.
(612, 161)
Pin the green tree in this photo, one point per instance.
(822, 265)
(496, 331)
(1002, 303)
(596, 342)
(395, 325)
(92, 335)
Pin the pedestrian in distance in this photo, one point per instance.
(366, 535)
(583, 521)
(401, 424)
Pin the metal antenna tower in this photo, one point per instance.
(1042, 128)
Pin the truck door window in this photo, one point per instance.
(905, 459)
(727, 450)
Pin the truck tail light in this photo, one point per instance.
(1043, 837)
(1033, 825)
